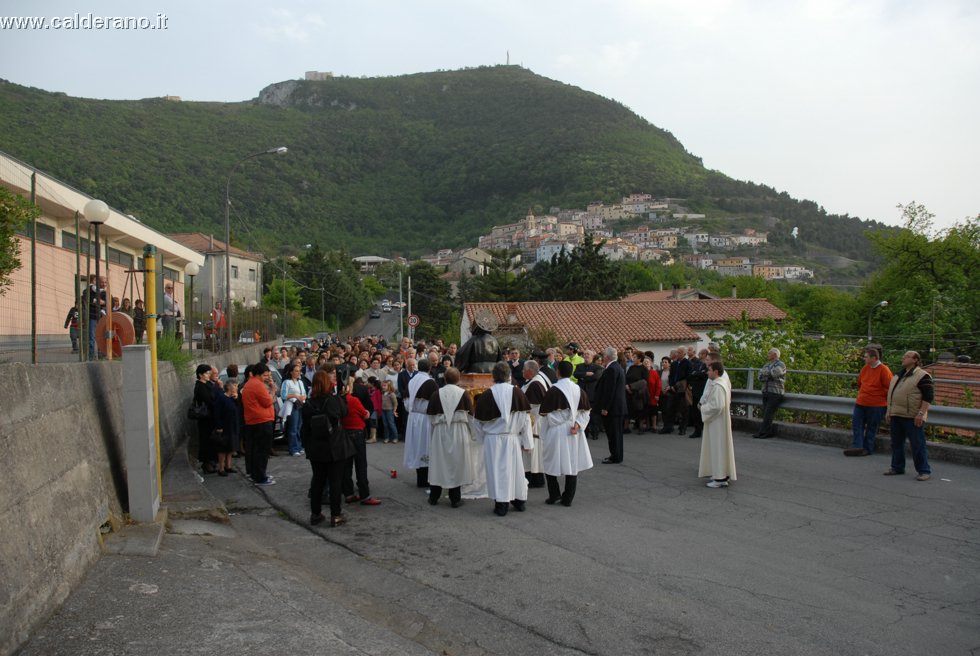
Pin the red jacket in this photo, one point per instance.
(654, 388)
(356, 414)
(257, 402)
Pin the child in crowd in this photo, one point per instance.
(389, 411)
(226, 428)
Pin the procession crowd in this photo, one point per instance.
(335, 398)
(527, 429)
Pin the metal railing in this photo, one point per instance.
(939, 415)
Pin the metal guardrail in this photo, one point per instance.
(966, 418)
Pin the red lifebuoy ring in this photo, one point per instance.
(123, 333)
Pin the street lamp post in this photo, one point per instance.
(96, 213)
(870, 312)
(281, 150)
(191, 269)
(231, 329)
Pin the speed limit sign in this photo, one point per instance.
(413, 320)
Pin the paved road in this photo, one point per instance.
(387, 325)
(807, 553)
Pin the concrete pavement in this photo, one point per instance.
(807, 553)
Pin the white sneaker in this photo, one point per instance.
(717, 484)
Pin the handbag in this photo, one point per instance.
(198, 411)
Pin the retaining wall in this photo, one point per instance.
(62, 442)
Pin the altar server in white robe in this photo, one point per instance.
(536, 385)
(477, 487)
(418, 429)
(449, 448)
(564, 414)
(503, 424)
(717, 446)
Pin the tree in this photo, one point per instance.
(278, 289)
(931, 281)
(585, 273)
(431, 301)
(15, 212)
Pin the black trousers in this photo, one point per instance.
(595, 421)
(681, 410)
(555, 493)
(613, 425)
(401, 420)
(206, 453)
(327, 473)
(770, 403)
(696, 420)
(455, 493)
(357, 466)
(259, 445)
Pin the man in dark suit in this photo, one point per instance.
(678, 407)
(610, 395)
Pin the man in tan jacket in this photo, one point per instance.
(909, 396)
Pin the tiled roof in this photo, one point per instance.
(202, 243)
(951, 394)
(597, 324)
(686, 294)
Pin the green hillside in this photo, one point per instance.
(394, 165)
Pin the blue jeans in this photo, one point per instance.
(904, 427)
(92, 353)
(295, 423)
(864, 423)
(391, 430)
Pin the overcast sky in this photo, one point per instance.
(858, 105)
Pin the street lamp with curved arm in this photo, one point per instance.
(870, 312)
(280, 150)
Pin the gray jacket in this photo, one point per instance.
(773, 376)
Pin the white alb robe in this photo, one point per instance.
(565, 454)
(503, 438)
(417, 427)
(532, 458)
(717, 446)
(449, 445)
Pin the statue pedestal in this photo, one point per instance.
(476, 381)
(475, 384)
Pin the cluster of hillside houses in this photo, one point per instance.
(62, 252)
(539, 238)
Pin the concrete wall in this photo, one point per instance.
(61, 436)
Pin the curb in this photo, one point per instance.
(953, 453)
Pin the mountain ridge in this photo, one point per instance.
(394, 165)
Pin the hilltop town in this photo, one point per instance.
(666, 226)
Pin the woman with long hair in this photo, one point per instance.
(354, 422)
(326, 444)
(389, 410)
(294, 396)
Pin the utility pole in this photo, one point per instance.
(411, 330)
(401, 308)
